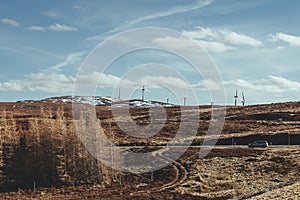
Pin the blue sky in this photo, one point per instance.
(255, 45)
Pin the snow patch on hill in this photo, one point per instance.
(106, 101)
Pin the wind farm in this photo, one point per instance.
(149, 100)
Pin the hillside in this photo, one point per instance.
(40, 150)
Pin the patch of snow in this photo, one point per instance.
(114, 102)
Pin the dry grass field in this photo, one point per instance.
(43, 158)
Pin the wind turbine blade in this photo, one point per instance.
(147, 90)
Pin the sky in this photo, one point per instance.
(254, 45)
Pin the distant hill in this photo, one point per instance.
(105, 101)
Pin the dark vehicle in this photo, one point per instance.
(260, 143)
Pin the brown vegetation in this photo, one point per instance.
(41, 155)
(45, 151)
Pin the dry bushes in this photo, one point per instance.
(48, 153)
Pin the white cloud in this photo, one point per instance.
(53, 27)
(165, 13)
(182, 43)
(285, 84)
(158, 81)
(40, 82)
(215, 46)
(97, 78)
(12, 85)
(202, 33)
(10, 22)
(108, 80)
(172, 42)
(72, 58)
(49, 82)
(240, 39)
(290, 39)
(208, 84)
(171, 11)
(52, 82)
(273, 84)
(36, 28)
(61, 27)
(79, 7)
(221, 38)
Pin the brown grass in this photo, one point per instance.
(40, 150)
(46, 151)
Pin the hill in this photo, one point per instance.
(42, 155)
(105, 101)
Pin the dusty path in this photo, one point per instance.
(180, 176)
(181, 173)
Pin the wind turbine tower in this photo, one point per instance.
(143, 93)
(235, 98)
(243, 99)
(119, 96)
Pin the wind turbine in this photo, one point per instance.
(168, 98)
(119, 95)
(235, 97)
(143, 93)
(243, 99)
